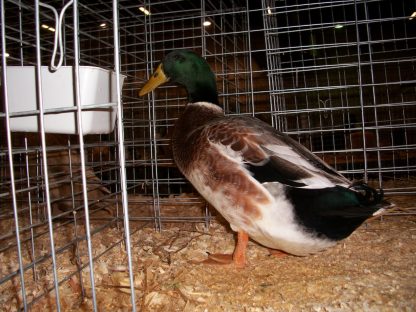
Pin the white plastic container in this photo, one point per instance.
(97, 86)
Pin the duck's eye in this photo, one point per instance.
(179, 58)
(155, 75)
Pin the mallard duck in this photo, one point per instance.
(266, 185)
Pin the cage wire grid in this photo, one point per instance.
(338, 76)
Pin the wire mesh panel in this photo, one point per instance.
(342, 80)
(61, 151)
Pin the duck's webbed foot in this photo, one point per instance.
(277, 253)
(238, 258)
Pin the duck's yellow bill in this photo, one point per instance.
(155, 81)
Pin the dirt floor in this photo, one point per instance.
(373, 270)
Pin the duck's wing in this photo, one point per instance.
(269, 155)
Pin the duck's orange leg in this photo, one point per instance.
(238, 257)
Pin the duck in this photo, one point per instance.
(269, 187)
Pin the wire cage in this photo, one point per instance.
(81, 172)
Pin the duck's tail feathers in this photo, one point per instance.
(366, 194)
(371, 197)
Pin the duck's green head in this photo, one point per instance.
(188, 69)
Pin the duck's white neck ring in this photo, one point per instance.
(208, 105)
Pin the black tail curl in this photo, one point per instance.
(366, 194)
